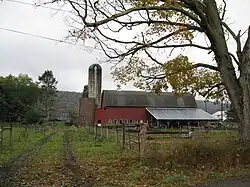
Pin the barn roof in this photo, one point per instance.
(146, 99)
(181, 114)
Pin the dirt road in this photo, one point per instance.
(80, 176)
(9, 170)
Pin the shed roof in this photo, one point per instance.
(191, 114)
(146, 99)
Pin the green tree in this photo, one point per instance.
(73, 115)
(17, 96)
(48, 84)
(85, 93)
(33, 115)
(167, 25)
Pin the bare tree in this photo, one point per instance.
(168, 24)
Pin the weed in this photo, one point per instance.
(197, 154)
(19, 143)
(212, 175)
(175, 179)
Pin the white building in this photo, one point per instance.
(221, 115)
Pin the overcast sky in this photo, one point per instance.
(32, 56)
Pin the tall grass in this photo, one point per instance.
(213, 151)
(20, 142)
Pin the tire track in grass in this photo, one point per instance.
(9, 170)
(80, 176)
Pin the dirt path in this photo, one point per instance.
(10, 169)
(230, 183)
(80, 176)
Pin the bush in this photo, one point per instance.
(198, 154)
(33, 116)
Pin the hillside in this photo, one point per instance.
(65, 102)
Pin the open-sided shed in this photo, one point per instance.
(179, 115)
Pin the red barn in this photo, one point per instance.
(134, 106)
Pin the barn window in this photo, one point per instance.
(99, 121)
(120, 121)
(115, 121)
(131, 121)
(126, 121)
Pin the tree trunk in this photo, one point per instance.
(245, 85)
(238, 89)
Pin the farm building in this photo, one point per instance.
(116, 107)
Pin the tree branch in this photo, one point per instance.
(214, 68)
(153, 59)
(139, 45)
(236, 38)
(160, 76)
(150, 21)
(224, 10)
(235, 59)
(182, 45)
(131, 10)
(204, 94)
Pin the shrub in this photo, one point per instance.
(197, 154)
(33, 116)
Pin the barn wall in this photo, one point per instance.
(115, 113)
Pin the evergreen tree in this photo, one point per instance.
(85, 93)
(48, 85)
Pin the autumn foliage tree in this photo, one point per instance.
(165, 25)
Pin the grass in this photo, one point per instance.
(173, 162)
(47, 167)
(19, 142)
(169, 163)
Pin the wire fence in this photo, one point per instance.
(133, 137)
(11, 133)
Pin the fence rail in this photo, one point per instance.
(2, 129)
(6, 139)
(134, 137)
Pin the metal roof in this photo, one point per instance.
(113, 98)
(91, 67)
(192, 114)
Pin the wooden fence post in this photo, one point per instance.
(143, 138)
(139, 141)
(26, 132)
(123, 136)
(95, 132)
(10, 140)
(1, 136)
(129, 140)
(107, 132)
(117, 134)
(101, 132)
